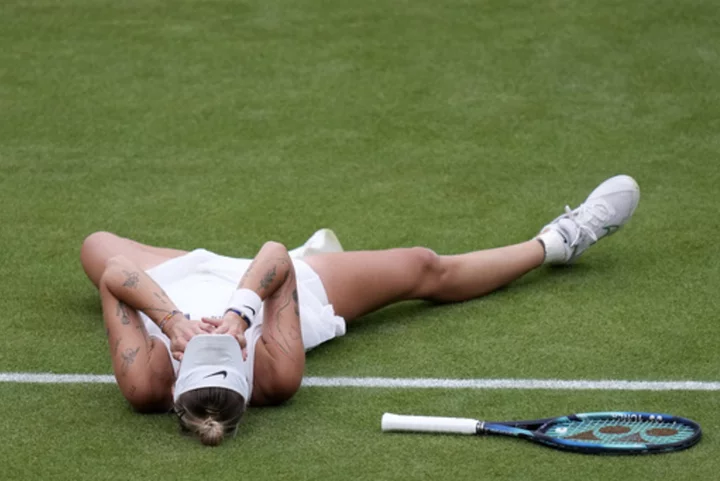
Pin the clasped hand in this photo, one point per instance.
(181, 330)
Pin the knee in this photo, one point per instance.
(429, 268)
(426, 259)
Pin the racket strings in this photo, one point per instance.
(618, 431)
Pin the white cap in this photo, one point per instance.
(212, 360)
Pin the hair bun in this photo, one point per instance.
(210, 432)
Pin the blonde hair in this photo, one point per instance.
(210, 413)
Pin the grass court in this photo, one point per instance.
(457, 125)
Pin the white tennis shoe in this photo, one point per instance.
(606, 210)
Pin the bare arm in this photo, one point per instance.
(135, 289)
(280, 354)
(144, 378)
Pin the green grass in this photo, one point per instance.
(325, 434)
(457, 125)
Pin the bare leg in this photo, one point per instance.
(360, 282)
(99, 247)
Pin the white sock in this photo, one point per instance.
(555, 246)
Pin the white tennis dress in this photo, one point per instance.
(201, 283)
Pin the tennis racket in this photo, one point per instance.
(589, 433)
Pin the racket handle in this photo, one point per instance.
(428, 424)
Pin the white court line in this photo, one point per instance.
(437, 383)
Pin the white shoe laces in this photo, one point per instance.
(586, 218)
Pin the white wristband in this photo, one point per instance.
(246, 301)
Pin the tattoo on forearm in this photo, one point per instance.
(279, 292)
(122, 313)
(117, 346)
(280, 341)
(283, 334)
(268, 278)
(128, 358)
(132, 279)
(285, 340)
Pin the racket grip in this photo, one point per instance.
(428, 424)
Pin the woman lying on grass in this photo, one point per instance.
(207, 335)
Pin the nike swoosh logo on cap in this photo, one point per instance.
(224, 374)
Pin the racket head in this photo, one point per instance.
(617, 432)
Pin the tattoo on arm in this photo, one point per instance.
(128, 358)
(279, 292)
(150, 345)
(268, 278)
(285, 340)
(122, 313)
(296, 305)
(132, 279)
(285, 336)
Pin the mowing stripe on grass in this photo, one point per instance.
(386, 382)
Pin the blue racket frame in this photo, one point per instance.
(536, 430)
